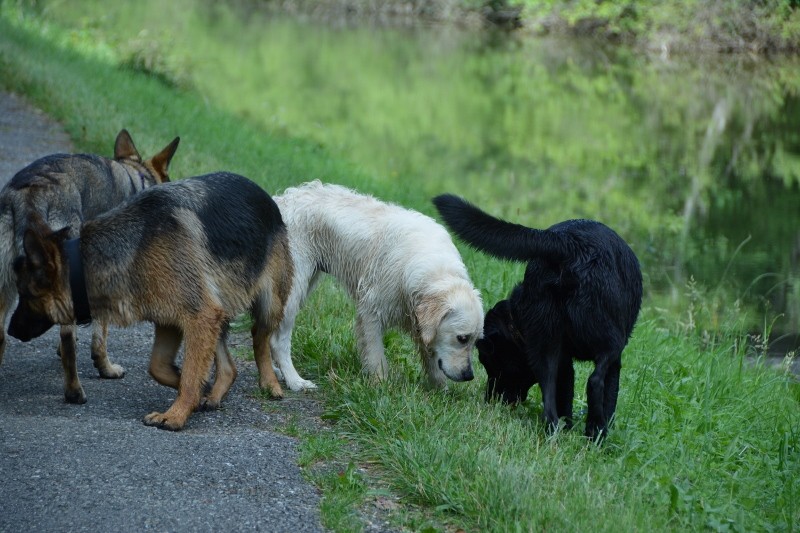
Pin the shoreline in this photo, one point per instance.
(665, 29)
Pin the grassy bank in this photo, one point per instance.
(706, 436)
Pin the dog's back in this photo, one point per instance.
(360, 237)
(69, 185)
(584, 263)
(204, 240)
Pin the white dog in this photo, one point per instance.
(399, 266)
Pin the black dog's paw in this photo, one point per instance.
(596, 434)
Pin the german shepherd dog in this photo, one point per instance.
(579, 299)
(66, 190)
(187, 256)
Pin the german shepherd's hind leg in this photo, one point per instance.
(3, 313)
(73, 391)
(166, 342)
(267, 314)
(104, 366)
(225, 375)
(6, 298)
(200, 336)
(8, 287)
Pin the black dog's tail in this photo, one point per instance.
(496, 237)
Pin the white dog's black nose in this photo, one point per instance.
(464, 375)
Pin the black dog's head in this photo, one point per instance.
(501, 351)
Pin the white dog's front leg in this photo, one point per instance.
(281, 344)
(435, 378)
(369, 335)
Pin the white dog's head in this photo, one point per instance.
(449, 321)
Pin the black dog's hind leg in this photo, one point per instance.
(565, 390)
(601, 393)
(611, 390)
(547, 372)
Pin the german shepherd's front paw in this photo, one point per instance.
(162, 421)
(275, 391)
(271, 385)
(111, 371)
(208, 404)
(75, 395)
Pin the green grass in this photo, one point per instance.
(706, 436)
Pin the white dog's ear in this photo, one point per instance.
(429, 313)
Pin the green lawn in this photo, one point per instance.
(707, 437)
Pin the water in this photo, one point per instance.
(695, 161)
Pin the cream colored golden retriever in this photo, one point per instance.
(399, 266)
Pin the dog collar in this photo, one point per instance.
(77, 282)
(134, 190)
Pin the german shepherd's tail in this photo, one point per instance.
(496, 237)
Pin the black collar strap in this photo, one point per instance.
(77, 282)
(134, 190)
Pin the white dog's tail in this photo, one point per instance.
(496, 237)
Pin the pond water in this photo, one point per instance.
(695, 161)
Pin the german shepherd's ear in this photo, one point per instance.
(160, 161)
(124, 147)
(429, 313)
(42, 254)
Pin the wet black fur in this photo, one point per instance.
(579, 299)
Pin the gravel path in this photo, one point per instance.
(96, 467)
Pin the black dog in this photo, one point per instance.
(579, 300)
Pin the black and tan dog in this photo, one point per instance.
(579, 299)
(188, 256)
(66, 190)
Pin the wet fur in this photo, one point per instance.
(188, 256)
(579, 299)
(399, 266)
(66, 190)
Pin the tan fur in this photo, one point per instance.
(279, 287)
